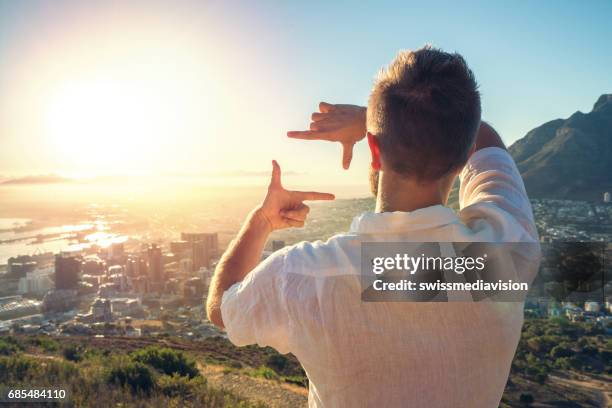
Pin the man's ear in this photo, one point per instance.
(374, 144)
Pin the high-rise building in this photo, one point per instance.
(179, 248)
(19, 266)
(201, 255)
(135, 266)
(156, 266)
(116, 250)
(204, 247)
(606, 197)
(211, 239)
(37, 282)
(185, 266)
(93, 266)
(67, 270)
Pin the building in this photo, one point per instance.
(116, 250)
(36, 282)
(19, 307)
(180, 248)
(126, 307)
(156, 268)
(67, 271)
(60, 300)
(102, 310)
(136, 266)
(206, 275)
(93, 266)
(117, 277)
(201, 255)
(606, 197)
(204, 248)
(193, 288)
(185, 266)
(19, 266)
(212, 238)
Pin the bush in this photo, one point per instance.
(541, 377)
(16, 368)
(265, 372)
(180, 386)
(277, 362)
(72, 353)
(302, 381)
(47, 344)
(563, 363)
(526, 399)
(167, 361)
(7, 347)
(133, 374)
(561, 351)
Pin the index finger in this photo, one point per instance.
(306, 134)
(313, 195)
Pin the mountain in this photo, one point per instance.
(569, 158)
(42, 179)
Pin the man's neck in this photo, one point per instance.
(400, 194)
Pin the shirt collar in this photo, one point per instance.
(398, 222)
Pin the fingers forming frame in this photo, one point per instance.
(298, 214)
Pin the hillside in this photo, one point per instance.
(558, 364)
(569, 158)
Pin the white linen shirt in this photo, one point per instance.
(306, 299)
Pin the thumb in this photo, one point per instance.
(276, 174)
(347, 155)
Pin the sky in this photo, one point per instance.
(209, 89)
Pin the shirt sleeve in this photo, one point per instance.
(490, 180)
(254, 311)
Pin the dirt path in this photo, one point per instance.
(601, 387)
(272, 393)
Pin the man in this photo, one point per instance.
(423, 129)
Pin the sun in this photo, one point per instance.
(112, 124)
(127, 116)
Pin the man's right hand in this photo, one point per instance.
(336, 123)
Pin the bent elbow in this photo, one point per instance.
(213, 311)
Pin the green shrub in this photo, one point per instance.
(302, 381)
(277, 362)
(526, 398)
(265, 372)
(133, 374)
(167, 361)
(7, 347)
(16, 368)
(47, 344)
(563, 363)
(561, 351)
(181, 386)
(72, 353)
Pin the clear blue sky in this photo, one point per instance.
(273, 61)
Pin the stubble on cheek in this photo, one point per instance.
(374, 181)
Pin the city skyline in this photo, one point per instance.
(210, 89)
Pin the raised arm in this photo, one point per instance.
(488, 137)
(280, 209)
